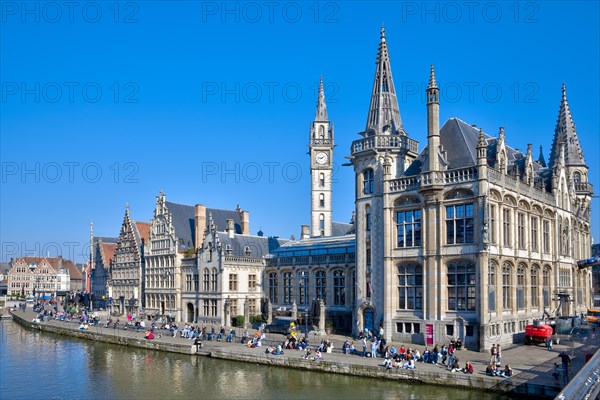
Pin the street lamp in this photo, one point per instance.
(165, 274)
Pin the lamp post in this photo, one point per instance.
(165, 275)
(306, 313)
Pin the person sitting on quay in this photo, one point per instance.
(507, 373)
(417, 356)
(149, 335)
(230, 336)
(491, 370)
(410, 362)
(318, 355)
(278, 351)
(444, 355)
(221, 334)
(402, 352)
(426, 356)
(435, 354)
(468, 369)
(456, 366)
(84, 326)
(245, 336)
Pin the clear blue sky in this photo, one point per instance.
(106, 103)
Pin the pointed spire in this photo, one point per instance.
(432, 82)
(566, 132)
(384, 112)
(321, 115)
(541, 160)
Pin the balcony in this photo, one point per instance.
(385, 142)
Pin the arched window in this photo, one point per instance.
(534, 287)
(576, 177)
(492, 287)
(521, 289)
(368, 218)
(322, 180)
(546, 286)
(410, 287)
(303, 287)
(273, 288)
(339, 287)
(288, 287)
(322, 224)
(321, 285)
(321, 200)
(506, 285)
(461, 286)
(321, 132)
(368, 181)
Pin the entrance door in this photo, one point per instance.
(190, 313)
(162, 308)
(368, 320)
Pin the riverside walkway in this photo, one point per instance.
(532, 365)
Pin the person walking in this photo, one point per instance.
(549, 343)
(498, 355)
(566, 364)
(364, 346)
(493, 353)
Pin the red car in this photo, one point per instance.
(537, 334)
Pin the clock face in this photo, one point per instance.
(322, 158)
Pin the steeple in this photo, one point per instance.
(433, 124)
(321, 115)
(541, 160)
(565, 132)
(384, 112)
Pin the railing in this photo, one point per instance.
(586, 384)
(517, 185)
(584, 187)
(244, 260)
(453, 176)
(322, 142)
(385, 142)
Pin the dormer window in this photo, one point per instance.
(247, 251)
(228, 249)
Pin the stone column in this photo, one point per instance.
(294, 309)
(321, 316)
(246, 312)
(269, 311)
(227, 313)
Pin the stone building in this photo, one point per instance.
(40, 277)
(126, 283)
(469, 238)
(176, 233)
(101, 256)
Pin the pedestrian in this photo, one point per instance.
(566, 363)
(493, 353)
(549, 343)
(498, 355)
(556, 373)
(364, 346)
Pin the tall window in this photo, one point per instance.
(506, 285)
(408, 226)
(521, 286)
(213, 308)
(214, 280)
(321, 180)
(196, 282)
(321, 285)
(534, 234)
(506, 226)
(492, 287)
(252, 306)
(521, 230)
(322, 224)
(188, 282)
(410, 287)
(459, 224)
(534, 287)
(564, 278)
(288, 288)
(461, 286)
(234, 307)
(368, 181)
(322, 200)
(206, 308)
(273, 288)
(368, 218)
(206, 282)
(303, 287)
(546, 236)
(493, 223)
(339, 287)
(252, 282)
(546, 286)
(353, 286)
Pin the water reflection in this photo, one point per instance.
(35, 365)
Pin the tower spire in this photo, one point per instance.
(321, 115)
(541, 160)
(384, 112)
(566, 132)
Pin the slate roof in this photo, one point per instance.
(317, 246)
(341, 229)
(259, 246)
(183, 221)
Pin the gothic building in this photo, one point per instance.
(101, 255)
(176, 235)
(126, 284)
(470, 237)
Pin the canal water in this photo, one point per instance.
(35, 365)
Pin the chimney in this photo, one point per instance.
(305, 232)
(199, 225)
(245, 222)
(230, 228)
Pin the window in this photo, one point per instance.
(534, 234)
(408, 327)
(564, 278)
(493, 237)
(410, 287)
(288, 289)
(214, 280)
(368, 218)
(273, 288)
(252, 282)
(506, 236)
(408, 227)
(322, 224)
(492, 288)
(322, 180)
(339, 288)
(213, 308)
(206, 281)
(234, 307)
(321, 285)
(546, 236)
(252, 306)
(521, 287)
(353, 288)
(188, 282)
(534, 287)
(506, 285)
(546, 286)
(459, 224)
(233, 282)
(303, 288)
(461, 286)
(449, 330)
(521, 230)
(206, 308)
(322, 200)
(368, 181)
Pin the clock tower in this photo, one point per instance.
(321, 168)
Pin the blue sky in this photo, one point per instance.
(105, 103)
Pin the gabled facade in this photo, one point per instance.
(103, 250)
(40, 277)
(471, 238)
